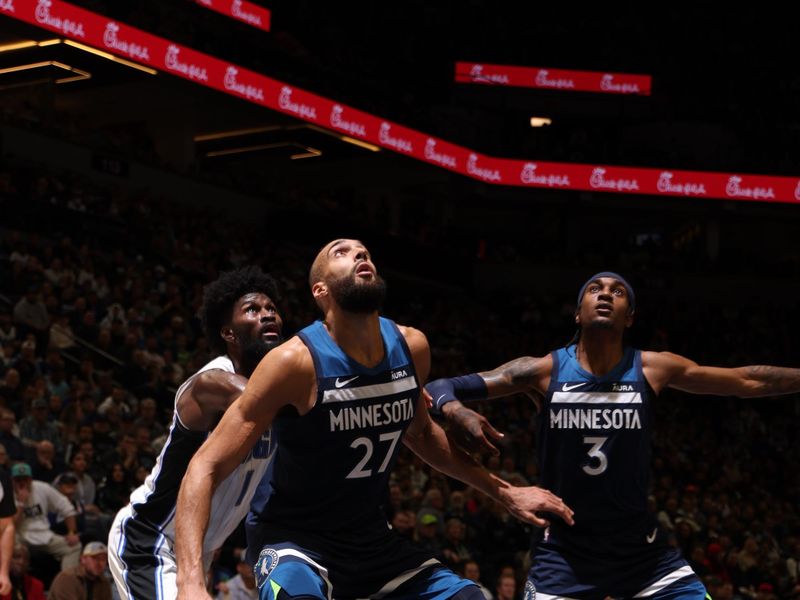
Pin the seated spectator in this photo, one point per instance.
(86, 581)
(148, 418)
(454, 549)
(46, 466)
(472, 571)
(428, 537)
(240, 587)
(35, 499)
(118, 398)
(115, 490)
(36, 427)
(87, 489)
(12, 444)
(23, 585)
(506, 588)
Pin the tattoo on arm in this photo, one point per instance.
(520, 372)
(774, 380)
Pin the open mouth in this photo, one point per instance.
(364, 270)
(270, 332)
(604, 309)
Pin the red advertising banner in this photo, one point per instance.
(241, 10)
(131, 43)
(553, 79)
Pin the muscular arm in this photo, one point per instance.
(526, 375)
(207, 397)
(284, 376)
(429, 441)
(664, 369)
(6, 549)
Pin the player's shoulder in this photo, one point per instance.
(415, 339)
(293, 353)
(651, 358)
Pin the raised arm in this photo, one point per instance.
(429, 441)
(527, 374)
(664, 369)
(285, 376)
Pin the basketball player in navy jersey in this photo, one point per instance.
(342, 394)
(595, 421)
(242, 323)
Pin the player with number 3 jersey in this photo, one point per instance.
(595, 399)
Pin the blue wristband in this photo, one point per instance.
(465, 387)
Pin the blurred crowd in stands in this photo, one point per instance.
(98, 294)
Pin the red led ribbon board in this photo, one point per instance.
(553, 79)
(128, 42)
(241, 10)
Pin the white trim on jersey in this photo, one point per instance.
(541, 596)
(402, 578)
(596, 398)
(665, 581)
(370, 391)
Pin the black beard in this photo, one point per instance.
(601, 325)
(355, 297)
(252, 353)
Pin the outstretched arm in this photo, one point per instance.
(664, 369)
(281, 378)
(429, 441)
(526, 374)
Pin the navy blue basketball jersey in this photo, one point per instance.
(332, 467)
(594, 441)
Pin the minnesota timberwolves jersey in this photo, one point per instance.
(154, 501)
(332, 468)
(594, 441)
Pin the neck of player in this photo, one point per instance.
(599, 350)
(358, 334)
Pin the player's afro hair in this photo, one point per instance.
(219, 296)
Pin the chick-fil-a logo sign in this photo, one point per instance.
(608, 84)
(530, 176)
(111, 40)
(543, 79)
(734, 189)
(437, 156)
(238, 10)
(251, 92)
(66, 26)
(173, 62)
(477, 74)
(599, 180)
(388, 139)
(302, 110)
(667, 185)
(352, 127)
(483, 173)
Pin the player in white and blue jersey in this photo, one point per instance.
(342, 396)
(242, 323)
(593, 445)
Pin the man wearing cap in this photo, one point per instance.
(85, 581)
(34, 500)
(595, 402)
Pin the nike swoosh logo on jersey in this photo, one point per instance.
(340, 384)
(652, 537)
(566, 388)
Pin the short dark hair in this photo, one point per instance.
(219, 296)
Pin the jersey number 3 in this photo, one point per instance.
(359, 470)
(596, 456)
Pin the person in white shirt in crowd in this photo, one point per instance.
(34, 500)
